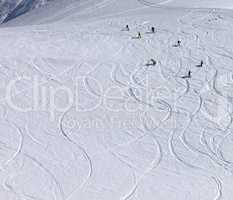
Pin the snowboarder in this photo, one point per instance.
(151, 62)
(178, 44)
(201, 64)
(187, 76)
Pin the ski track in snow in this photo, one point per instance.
(181, 137)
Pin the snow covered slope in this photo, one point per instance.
(10, 9)
(84, 115)
(60, 10)
(227, 4)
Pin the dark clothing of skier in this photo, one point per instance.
(139, 35)
(178, 44)
(126, 28)
(152, 29)
(151, 62)
(187, 76)
(201, 64)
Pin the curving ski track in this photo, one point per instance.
(154, 128)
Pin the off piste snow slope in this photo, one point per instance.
(10, 9)
(84, 115)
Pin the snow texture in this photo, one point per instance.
(91, 111)
(10, 9)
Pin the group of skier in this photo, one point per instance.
(152, 62)
(139, 35)
(189, 75)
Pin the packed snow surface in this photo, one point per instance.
(86, 114)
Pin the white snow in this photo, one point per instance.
(83, 117)
(10, 9)
(200, 3)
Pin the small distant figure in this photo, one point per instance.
(151, 62)
(201, 64)
(187, 76)
(178, 44)
(152, 29)
(139, 36)
(126, 28)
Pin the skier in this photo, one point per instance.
(201, 64)
(152, 62)
(178, 44)
(187, 76)
(126, 28)
(152, 29)
(139, 35)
